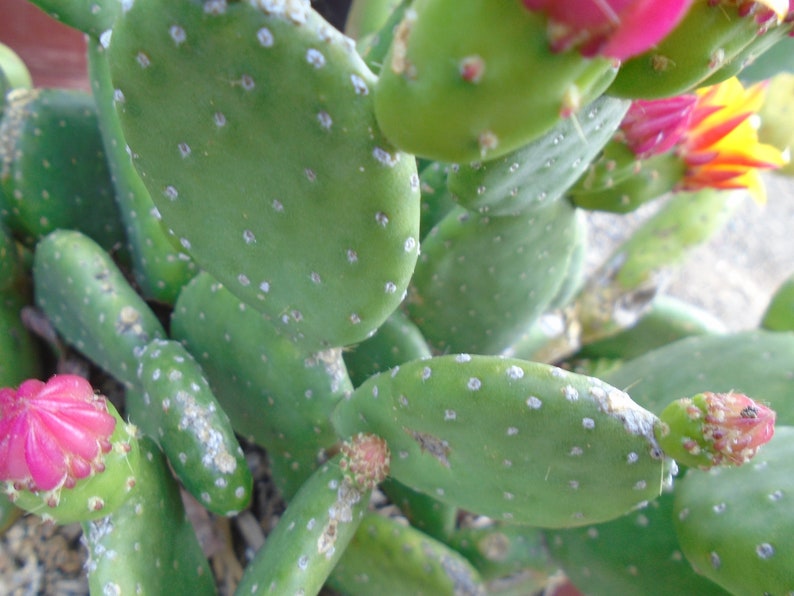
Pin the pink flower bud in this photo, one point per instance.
(613, 28)
(651, 127)
(715, 429)
(52, 434)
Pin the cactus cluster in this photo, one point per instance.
(368, 258)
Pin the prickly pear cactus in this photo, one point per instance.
(275, 178)
(148, 546)
(319, 522)
(736, 525)
(387, 555)
(91, 304)
(757, 363)
(277, 395)
(463, 95)
(159, 265)
(520, 261)
(638, 553)
(54, 173)
(452, 422)
(179, 411)
(539, 173)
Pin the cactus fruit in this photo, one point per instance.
(91, 304)
(325, 247)
(777, 116)
(463, 96)
(179, 411)
(53, 172)
(65, 452)
(715, 429)
(735, 524)
(319, 522)
(452, 420)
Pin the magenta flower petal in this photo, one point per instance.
(613, 28)
(53, 433)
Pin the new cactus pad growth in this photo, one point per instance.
(341, 291)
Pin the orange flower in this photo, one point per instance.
(721, 147)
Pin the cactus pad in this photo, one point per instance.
(254, 131)
(474, 431)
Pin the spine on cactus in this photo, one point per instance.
(65, 453)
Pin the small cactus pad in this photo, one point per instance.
(276, 394)
(252, 126)
(398, 340)
(180, 413)
(482, 280)
(91, 304)
(53, 170)
(736, 525)
(539, 173)
(388, 556)
(461, 79)
(513, 440)
(148, 546)
(310, 536)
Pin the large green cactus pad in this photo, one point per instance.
(736, 525)
(634, 554)
(759, 364)
(510, 439)
(254, 131)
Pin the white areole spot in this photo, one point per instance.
(177, 34)
(315, 58)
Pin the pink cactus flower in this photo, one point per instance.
(52, 434)
(616, 29)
